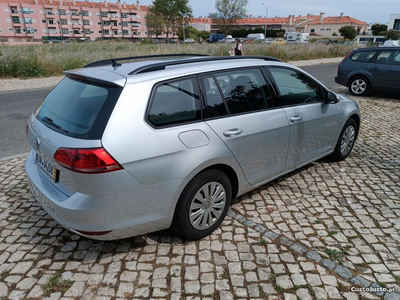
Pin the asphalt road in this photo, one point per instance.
(16, 107)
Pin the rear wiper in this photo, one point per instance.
(50, 122)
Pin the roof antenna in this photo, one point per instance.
(115, 64)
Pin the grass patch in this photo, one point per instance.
(382, 284)
(397, 278)
(334, 254)
(262, 242)
(342, 287)
(51, 59)
(318, 221)
(279, 289)
(56, 284)
(332, 232)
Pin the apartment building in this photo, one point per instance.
(394, 22)
(34, 20)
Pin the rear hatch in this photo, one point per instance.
(73, 116)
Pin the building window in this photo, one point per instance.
(87, 31)
(104, 14)
(125, 24)
(65, 30)
(44, 21)
(100, 31)
(115, 31)
(115, 24)
(76, 32)
(85, 13)
(124, 15)
(10, 30)
(51, 22)
(28, 20)
(26, 10)
(99, 23)
(396, 25)
(64, 22)
(312, 30)
(15, 20)
(106, 31)
(63, 12)
(125, 32)
(86, 22)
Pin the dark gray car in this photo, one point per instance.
(368, 69)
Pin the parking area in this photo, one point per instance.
(325, 231)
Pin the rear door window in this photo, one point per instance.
(243, 90)
(363, 56)
(78, 108)
(174, 103)
(389, 58)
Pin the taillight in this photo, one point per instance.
(86, 160)
(27, 126)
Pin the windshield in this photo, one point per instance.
(78, 108)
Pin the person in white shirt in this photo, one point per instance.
(238, 48)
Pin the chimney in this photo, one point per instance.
(138, 5)
(119, 4)
(341, 15)
(36, 2)
(105, 3)
(73, 1)
(290, 20)
(61, 2)
(321, 17)
(125, 5)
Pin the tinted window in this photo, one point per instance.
(363, 56)
(389, 58)
(295, 88)
(244, 90)
(175, 102)
(214, 101)
(78, 108)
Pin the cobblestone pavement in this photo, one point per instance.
(314, 234)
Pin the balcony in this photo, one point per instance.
(54, 25)
(115, 27)
(76, 26)
(17, 24)
(48, 6)
(50, 15)
(75, 17)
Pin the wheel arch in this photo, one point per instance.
(365, 75)
(357, 119)
(230, 172)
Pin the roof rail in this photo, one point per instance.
(113, 61)
(162, 65)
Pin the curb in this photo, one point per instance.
(13, 156)
(342, 271)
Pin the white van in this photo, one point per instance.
(256, 36)
(390, 43)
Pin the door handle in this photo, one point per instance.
(295, 118)
(233, 132)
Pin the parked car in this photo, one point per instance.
(228, 40)
(189, 41)
(367, 69)
(278, 41)
(323, 42)
(390, 43)
(119, 152)
(268, 41)
(170, 41)
(216, 38)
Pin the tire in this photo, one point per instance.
(359, 86)
(197, 215)
(346, 141)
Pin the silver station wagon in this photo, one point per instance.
(123, 149)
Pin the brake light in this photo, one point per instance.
(86, 160)
(27, 126)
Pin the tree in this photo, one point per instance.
(377, 29)
(348, 32)
(228, 12)
(155, 24)
(172, 12)
(392, 35)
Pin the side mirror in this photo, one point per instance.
(332, 97)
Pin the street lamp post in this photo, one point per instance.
(266, 18)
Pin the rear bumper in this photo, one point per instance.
(140, 210)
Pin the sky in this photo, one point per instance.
(369, 11)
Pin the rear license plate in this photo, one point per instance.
(48, 168)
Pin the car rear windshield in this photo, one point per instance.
(78, 107)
